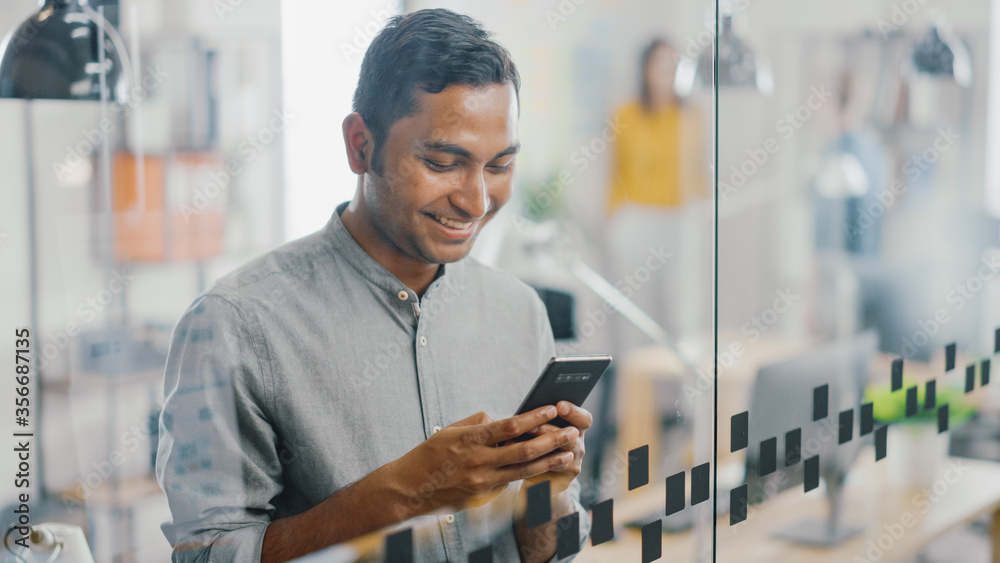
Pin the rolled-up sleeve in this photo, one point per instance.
(217, 458)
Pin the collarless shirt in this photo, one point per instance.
(308, 368)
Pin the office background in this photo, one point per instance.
(840, 196)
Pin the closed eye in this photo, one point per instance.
(498, 169)
(437, 166)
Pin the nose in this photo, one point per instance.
(473, 197)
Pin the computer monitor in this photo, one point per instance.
(782, 401)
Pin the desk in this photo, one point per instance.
(640, 370)
(869, 501)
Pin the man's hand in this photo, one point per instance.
(539, 544)
(562, 475)
(461, 466)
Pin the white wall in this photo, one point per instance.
(322, 44)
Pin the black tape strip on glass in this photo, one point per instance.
(652, 541)
(738, 504)
(539, 505)
(985, 372)
(602, 527)
(568, 535)
(970, 378)
(768, 461)
(930, 395)
(700, 484)
(942, 419)
(793, 447)
(949, 356)
(675, 494)
(740, 431)
(897, 374)
(846, 426)
(881, 436)
(484, 555)
(821, 402)
(638, 467)
(811, 480)
(911, 401)
(867, 418)
(399, 547)
(996, 341)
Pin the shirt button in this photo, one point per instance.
(403, 295)
(450, 518)
(423, 341)
(437, 429)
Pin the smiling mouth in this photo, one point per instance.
(451, 223)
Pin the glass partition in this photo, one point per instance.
(857, 301)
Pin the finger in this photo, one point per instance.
(547, 429)
(523, 452)
(537, 431)
(568, 461)
(478, 418)
(577, 416)
(514, 426)
(521, 471)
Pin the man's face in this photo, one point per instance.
(446, 171)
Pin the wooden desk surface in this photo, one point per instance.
(975, 490)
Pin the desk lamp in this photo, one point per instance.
(738, 65)
(58, 54)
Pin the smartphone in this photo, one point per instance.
(565, 378)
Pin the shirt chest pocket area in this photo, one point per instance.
(496, 387)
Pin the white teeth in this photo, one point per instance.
(453, 224)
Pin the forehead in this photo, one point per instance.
(465, 113)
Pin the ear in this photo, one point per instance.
(358, 140)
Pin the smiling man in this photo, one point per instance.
(359, 379)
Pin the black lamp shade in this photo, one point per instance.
(933, 56)
(54, 55)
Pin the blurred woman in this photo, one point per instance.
(656, 157)
(657, 169)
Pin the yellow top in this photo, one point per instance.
(655, 159)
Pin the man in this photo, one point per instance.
(349, 381)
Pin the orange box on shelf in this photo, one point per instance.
(177, 211)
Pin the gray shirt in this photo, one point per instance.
(308, 368)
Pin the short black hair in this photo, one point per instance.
(430, 50)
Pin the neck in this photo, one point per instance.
(660, 103)
(414, 274)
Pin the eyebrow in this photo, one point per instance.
(452, 148)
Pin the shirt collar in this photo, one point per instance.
(343, 243)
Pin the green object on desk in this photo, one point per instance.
(890, 406)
